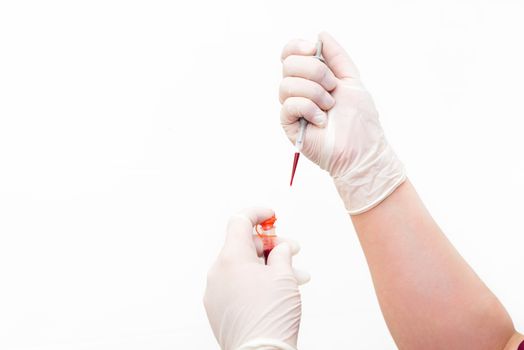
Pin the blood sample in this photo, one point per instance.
(298, 145)
(266, 231)
(295, 163)
(521, 346)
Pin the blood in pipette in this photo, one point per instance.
(295, 162)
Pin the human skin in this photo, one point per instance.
(429, 296)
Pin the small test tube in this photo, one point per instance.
(266, 231)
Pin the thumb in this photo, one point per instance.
(337, 58)
(280, 257)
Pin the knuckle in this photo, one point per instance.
(290, 106)
(294, 104)
(286, 64)
(297, 46)
(284, 87)
(291, 87)
(289, 65)
(288, 110)
(318, 93)
(319, 72)
(285, 111)
(309, 108)
(283, 115)
(288, 47)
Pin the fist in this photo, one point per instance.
(343, 122)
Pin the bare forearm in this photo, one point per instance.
(429, 296)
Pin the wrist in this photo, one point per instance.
(371, 180)
(266, 344)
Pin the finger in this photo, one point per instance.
(240, 230)
(295, 108)
(293, 245)
(301, 276)
(337, 58)
(280, 257)
(299, 87)
(298, 47)
(240, 225)
(310, 68)
(259, 245)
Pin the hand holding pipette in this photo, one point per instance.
(303, 124)
(345, 138)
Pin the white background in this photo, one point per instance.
(130, 131)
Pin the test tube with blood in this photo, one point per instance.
(266, 231)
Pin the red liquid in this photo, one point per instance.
(521, 346)
(269, 244)
(295, 162)
(266, 254)
(267, 236)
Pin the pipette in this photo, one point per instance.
(303, 124)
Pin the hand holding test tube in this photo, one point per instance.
(246, 298)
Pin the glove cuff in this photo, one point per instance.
(266, 344)
(371, 180)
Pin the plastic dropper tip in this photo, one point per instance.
(295, 162)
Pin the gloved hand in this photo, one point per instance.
(347, 140)
(251, 305)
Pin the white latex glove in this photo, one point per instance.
(348, 140)
(251, 305)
